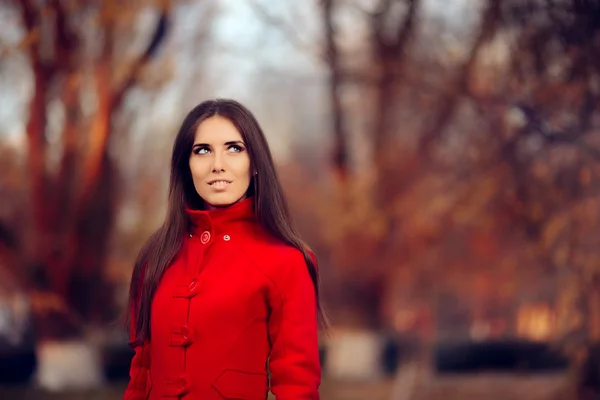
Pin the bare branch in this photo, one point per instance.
(383, 8)
(288, 31)
(26, 43)
(36, 127)
(66, 40)
(340, 156)
(489, 24)
(362, 10)
(159, 35)
(391, 57)
(404, 30)
(29, 14)
(572, 137)
(108, 102)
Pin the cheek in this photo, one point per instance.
(196, 168)
(243, 168)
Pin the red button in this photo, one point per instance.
(187, 290)
(186, 335)
(181, 336)
(185, 331)
(177, 385)
(205, 237)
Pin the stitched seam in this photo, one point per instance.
(215, 384)
(244, 372)
(281, 335)
(265, 274)
(238, 337)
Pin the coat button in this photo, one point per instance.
(177, 385)
(183, 384)
(193, 285)
(181, 336)
(187, 289)
(205, 237)
(185, 333)
(226, 238)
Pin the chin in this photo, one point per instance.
(222, 201)
(219, 204)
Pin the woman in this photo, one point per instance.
(224, 296)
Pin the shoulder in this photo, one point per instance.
(275, 258)
(269, 252)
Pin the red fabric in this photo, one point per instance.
(235, 305)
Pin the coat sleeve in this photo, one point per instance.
(138, 386)
(293, 330)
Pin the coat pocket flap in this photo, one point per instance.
(233, 384)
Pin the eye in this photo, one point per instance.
(201, 150)
(234, 148)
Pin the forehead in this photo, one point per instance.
(216, 129)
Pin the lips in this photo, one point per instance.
(219, 183)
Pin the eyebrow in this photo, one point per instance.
(238, 142)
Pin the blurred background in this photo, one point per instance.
(442, 158)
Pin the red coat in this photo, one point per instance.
(234, 299)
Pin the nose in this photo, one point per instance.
(217, 163)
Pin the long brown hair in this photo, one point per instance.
(163, 246)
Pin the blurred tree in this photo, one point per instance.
(552, 151)
(82, 66)
(82, 70)
(373, 228)
(502, 172)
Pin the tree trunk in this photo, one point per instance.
(340, 152)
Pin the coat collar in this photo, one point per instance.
(219, 220)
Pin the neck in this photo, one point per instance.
(209, 207)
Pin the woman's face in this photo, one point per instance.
(219, 163)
